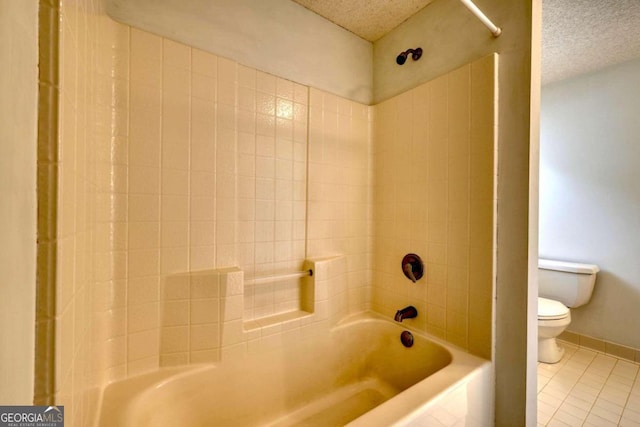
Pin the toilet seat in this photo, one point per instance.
(549, 309)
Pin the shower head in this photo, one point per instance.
(415, 55)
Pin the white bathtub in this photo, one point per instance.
(358, 374)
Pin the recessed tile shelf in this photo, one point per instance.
(271, 299)
(207, 307)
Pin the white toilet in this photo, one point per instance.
(560, 285)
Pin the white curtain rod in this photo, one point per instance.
(495, 30)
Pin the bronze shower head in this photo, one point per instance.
(415, 54)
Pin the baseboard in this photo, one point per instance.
(603, 346)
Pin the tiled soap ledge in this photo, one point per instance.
(606, 347)
(202, 314)
(275, 319)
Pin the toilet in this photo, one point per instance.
(561, 286)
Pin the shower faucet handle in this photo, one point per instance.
(412, 267)
(408, 271)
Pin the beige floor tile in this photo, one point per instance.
(568, 418)
(578, 403)
(574, 411)
(550, 400)
(599, 411)
(631, 415)
(546, 410)
(634, 402)
(608, 406)
(557, 423)
(613, 395)
(587, 388)
(594, 420)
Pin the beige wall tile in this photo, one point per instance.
(140, 289)
(142, 317)
(144, 263)
(204, 337)
(140, 366)
(142, 345)
(144, 207)
(435, 218)
(175, 313)
(174, 259)
(175, 182)
(176, 287)
(144, 235)
(204, 63)
(204, 311)
(174, 340)
(146, 57)
(176, 54)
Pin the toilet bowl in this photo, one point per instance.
(553, 319)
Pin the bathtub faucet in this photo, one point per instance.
(406, 313)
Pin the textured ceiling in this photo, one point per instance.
(369, 19)
(578, 36)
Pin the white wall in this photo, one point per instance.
(277, 36)
(589, 193)
(18, 113)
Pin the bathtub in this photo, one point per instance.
(357, 374)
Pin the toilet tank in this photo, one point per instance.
(568, 282)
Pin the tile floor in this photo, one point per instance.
(587, 388)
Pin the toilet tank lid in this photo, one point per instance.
(569, 267)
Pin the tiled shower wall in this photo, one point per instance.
(434, 196)
(80, 149)
(216, 158)
(174, 160)
(340, 186)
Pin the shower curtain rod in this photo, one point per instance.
(495, 30)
